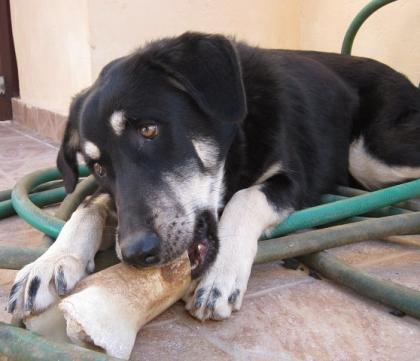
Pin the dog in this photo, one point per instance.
(204, 143)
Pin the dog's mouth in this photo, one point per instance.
(203, 250)
(198, 253)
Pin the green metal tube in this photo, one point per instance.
(381, 212)
(40, 199)
(272, 249)
(20, 345)
(387, 292)
(303, 243)
(346, 208)
(28, 211)
(357, 22)
(70, 203)
(306, 218)
(411, 204)
(73, 200)
(17, 257)
(6, 194)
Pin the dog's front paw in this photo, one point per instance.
(40, 283)
(218, 293)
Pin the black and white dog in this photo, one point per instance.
(204, 143)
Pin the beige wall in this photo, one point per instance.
(61, 45)
(117, 27)
(52, 51)
(391, 35)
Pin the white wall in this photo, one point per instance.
(61, 45)
(390, 35)
(117, 27)
(52, 51)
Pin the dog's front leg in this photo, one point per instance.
(66, 262)
(246, 216)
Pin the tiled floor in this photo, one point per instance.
(286, 315)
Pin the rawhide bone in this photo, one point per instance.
(108, 308)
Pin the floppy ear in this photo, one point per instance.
(67, 155)
(208, 68)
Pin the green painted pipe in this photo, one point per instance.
(273, 249)
(69, 205)
(386, 292)
(307, 218)
(6, 194)
(303, 243)
(18, 257)
(357, 22)
(20, 345)
(381, 212)
(40, 199)
(411, 204)
(346, 208)
(33, 215)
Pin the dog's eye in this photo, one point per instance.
(99, 170)
(149, 131)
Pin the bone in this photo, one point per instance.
(108, 308)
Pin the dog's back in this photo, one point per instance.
(381, 106)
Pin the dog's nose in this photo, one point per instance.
(141, 249)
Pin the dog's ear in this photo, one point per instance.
(208, 68)
(70, 146)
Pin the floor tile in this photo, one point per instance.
(286, 314)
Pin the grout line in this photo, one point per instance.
(33, 138)
(378, 261)
(265, 291)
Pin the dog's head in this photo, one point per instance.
(155, 129)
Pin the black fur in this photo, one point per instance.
(301, 109)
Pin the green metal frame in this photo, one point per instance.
(358, 21)
(20, 345)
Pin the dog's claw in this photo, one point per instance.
(60, 281)
(217, 296)
(33, 291)
(11, 306)
(234, 296)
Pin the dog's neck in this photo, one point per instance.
(235, 164)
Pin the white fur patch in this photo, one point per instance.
(74, 140)
(118, 249)
(194, 189)
(374, 173)
(244, 219)
(272, 170)
(206, 150)
(217, 190)
(92, 150)
(190, 187)
(117, 121)
(246, 216)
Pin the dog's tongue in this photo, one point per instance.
(197, 252)
(202, 250)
